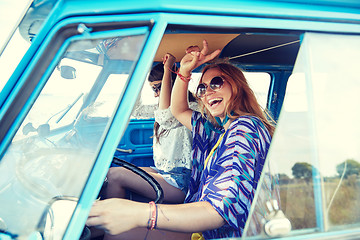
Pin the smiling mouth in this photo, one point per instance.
(215, 101)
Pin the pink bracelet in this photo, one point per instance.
(153, 217)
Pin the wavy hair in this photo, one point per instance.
(243, 100)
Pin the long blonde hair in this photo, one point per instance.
(243, 100)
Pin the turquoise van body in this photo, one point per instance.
(69, 102)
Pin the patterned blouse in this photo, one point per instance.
(172, 154)
(174, 149)
(229, 180)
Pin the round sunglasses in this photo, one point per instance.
(156, 86)
(215, 84)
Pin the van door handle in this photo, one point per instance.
(124, 150)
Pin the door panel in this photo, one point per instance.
(136, 144)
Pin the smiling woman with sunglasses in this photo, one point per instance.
(231, 138)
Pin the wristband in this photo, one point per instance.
(182, 77)
(153, 216)
(185, 79)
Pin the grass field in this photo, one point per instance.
(342, 201)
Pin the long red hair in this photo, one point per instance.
(243, 100)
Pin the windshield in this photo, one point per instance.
(11, 13)
(54, 149)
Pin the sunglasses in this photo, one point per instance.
(215, 84)
(156, 87)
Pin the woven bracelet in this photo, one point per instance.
(185, 79)
(153, 217)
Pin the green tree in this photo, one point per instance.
(302, 170)
(348, 168)
(283, 176)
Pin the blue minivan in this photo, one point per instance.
(74, 97)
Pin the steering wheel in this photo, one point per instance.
(143, 174)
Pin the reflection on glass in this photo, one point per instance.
(54, 150)
(315, 149)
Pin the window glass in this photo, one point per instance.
(11, 11)
(61, 98)
(11, 57)
(20, 21)
(108, 96)
(314, 156)
(260, 83)
(335, 84)
(54, 149)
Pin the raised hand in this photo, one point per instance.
(168, 60)
(195, 57)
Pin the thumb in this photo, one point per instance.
(165, 58)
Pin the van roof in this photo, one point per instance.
(296, 8)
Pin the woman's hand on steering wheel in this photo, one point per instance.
(109, 215)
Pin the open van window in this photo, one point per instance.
(314, 149)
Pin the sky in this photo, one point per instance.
(10, 13)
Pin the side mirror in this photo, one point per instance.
(68, 72)
(56, 217)
(276, 223)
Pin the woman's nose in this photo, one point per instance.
(209, 91)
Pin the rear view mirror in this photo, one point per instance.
(43, 130)
(68, 72)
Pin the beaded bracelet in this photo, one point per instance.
(153, 216)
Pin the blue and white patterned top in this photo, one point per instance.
(230, 178)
